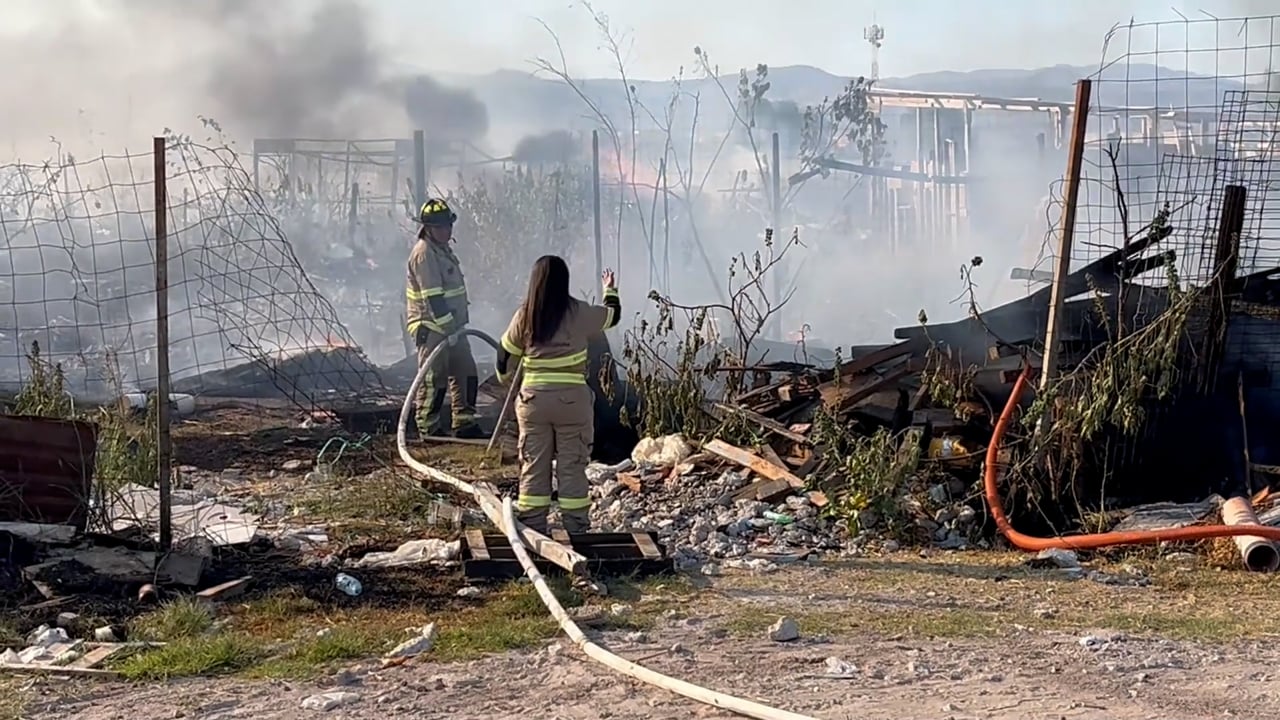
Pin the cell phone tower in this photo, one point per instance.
(874, 35)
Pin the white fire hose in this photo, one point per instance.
(506, 520)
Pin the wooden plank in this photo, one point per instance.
(838, 397)
(1062, 254)
(226, 591)
(765, 469)
(95, 656)
(720, 411)
(765, 490)
(487, 498)
(560, 536)
(59, 670)
(755, 463)
(768, 453)
(475, 543)
(879, 357)
(647, 546)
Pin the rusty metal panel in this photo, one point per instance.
(46, 469)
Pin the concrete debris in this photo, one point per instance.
(325, 702)
(293, 465)
(837, 668)
(784, 630)
(417, 645)
(696, 515)
(414, 552)
(105, 634)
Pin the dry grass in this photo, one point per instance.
(391, 503)
(13, 698)
(988, 595)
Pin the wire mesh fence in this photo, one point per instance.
(77, 279)
(1183, 116)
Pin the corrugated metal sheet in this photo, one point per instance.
(46, 469)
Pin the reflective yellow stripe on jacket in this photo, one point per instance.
(423, 298)
(567, 370)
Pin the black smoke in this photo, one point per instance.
(444, 113)
(555, 147)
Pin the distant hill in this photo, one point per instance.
(524, 100)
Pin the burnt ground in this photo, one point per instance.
(103, 601)
(376, 506)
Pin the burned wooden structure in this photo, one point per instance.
(487, 556)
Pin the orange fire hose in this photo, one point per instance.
(1090, 541)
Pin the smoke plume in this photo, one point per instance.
(130, 68)
(557, 146)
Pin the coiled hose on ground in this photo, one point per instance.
(1091, 541)
(504, 517)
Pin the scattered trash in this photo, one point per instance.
(666, 451)
(348, 585)
(414, 552)
(837, 668)
(325, 702)
(470, 591)
(417, 645)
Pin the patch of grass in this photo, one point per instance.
(315, 654)
(278, 636)
(470, 461)
(512, 619)
(205, 655)
(175, 620)
(386, 505)
(279, 615)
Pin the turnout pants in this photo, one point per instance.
(556, 422)
(454, 371)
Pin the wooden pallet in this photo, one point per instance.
(490, 557)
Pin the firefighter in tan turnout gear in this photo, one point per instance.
(554, 407)
(436, 294)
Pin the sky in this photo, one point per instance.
(920, 35)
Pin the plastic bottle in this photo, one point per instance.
(348, 584)
(947, 448)
(777, 517)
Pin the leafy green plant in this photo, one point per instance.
(868, 477)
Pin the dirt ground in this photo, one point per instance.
(952, 636)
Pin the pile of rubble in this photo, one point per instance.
(769, 503)
(703, 513)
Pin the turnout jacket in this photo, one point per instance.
(435, 290)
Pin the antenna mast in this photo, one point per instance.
(874, 35)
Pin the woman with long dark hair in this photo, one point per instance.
(554, 406)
